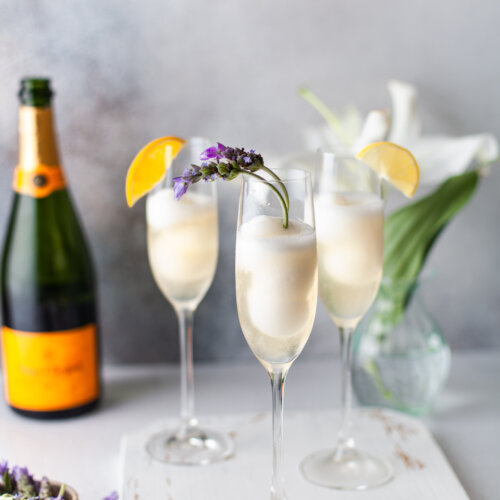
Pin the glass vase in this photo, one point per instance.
(401, 358)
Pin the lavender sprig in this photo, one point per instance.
(5, 476)
(45, 490)
(112, 496)
(18, 484)
(227, 163)
(25, 484)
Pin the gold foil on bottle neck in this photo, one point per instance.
(37, 140)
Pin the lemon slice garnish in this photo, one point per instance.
(393, 163)
(150, 165)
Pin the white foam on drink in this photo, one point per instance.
(350, 231)
(163, 210)
(280, 272)
(182, 243)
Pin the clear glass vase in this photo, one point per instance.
(401, 358)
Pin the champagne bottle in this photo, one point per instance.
(49, 328)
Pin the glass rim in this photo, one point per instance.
(331, 162)
(340, 156)
(197, 139)
(294, 175)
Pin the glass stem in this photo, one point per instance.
(345, 439)
(277, 386)
(185, 317)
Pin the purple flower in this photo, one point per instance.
(4, 467)
(22, 472)
(44, 489)
(218, 162)
(113, 496)
(188, 177)
(180, 188)
(23, 486)
(213, 152)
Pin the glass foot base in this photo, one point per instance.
(192, 446)
(346, 470)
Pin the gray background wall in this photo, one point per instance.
(127, 72)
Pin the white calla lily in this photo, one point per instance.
(405, 126)
(441, 157)
(438, 157)
(375, 128)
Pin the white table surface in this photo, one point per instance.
(84, 452)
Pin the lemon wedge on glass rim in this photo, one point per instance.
(393, 163)
(150, 165)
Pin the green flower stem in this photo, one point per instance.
(278, 180)
(372, 369)
(324, 111)
(61, 491)
(7, 482)
(276, 191)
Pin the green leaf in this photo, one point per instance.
(411, 231)
(7, 482)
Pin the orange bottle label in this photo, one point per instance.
(50, 371)
(38, 182)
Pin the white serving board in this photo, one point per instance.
(422, 471)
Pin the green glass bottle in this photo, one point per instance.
(50, 349)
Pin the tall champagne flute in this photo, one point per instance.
(276, 284)
(183, 249)
(350, 232)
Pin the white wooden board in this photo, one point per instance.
(422, 471)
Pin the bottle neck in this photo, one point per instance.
(37, 140)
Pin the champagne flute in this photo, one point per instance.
(350, 232)
(183, 249)
(276, 284)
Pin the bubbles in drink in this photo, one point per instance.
(350, 232)
(276, 286)
(182, 243)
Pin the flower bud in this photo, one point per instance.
(223, 169)
(233, 174)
